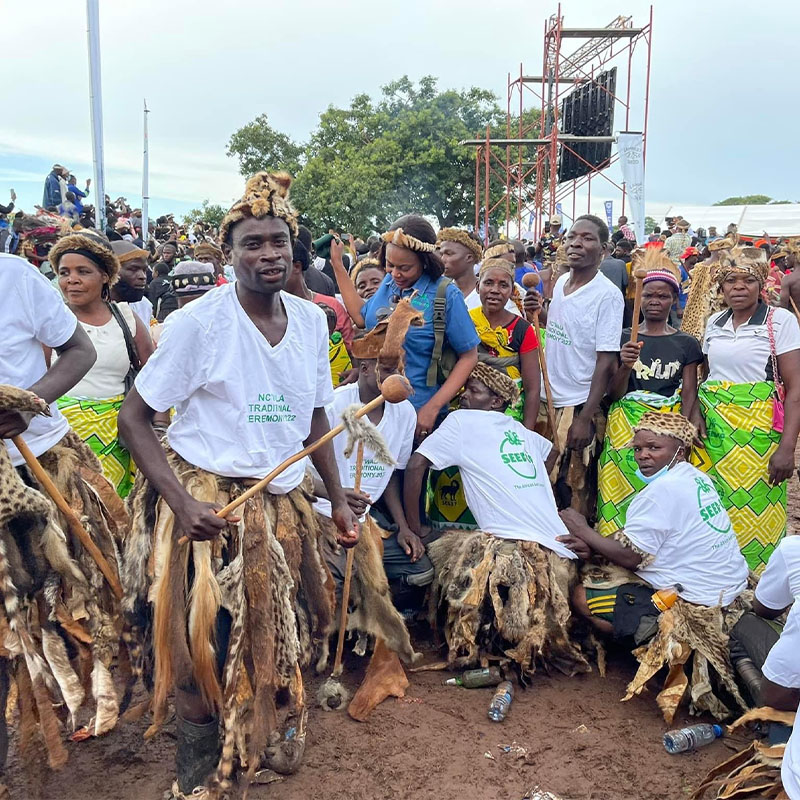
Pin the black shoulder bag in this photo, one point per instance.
(135, 363)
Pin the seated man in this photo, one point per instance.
(677, 537)
(758, 638)
(378, 355)
(515, 555)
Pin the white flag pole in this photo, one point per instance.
(96, 106)
(145, 181)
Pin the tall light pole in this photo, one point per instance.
(96, 106)
(145, 181)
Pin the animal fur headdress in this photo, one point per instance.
(460, 237)
(744, 261)
(497, 263)
(495, 381)
(385, 340)
(725, 243)
(208, 249)
(92, 246)
(497, 250)
(402, 239)
(657, 264)
(791, 247)
(266, 194)
(365, 263)
(666, 424)
(128, 252)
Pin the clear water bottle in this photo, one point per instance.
(691, 738)
(501, 702)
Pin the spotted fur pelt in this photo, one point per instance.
(268, 574)
(701, 632)
(504, 597)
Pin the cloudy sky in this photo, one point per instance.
(723, 111)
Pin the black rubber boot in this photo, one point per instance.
(197, 753)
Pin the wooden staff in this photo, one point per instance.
(72, 518)
(394, 389)
(348, 575)
(551, 412)
(639, 274)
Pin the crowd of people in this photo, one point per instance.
(584, 439)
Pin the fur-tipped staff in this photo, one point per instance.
(332, 695)
(532, 280)
(639, 274)
(394, 389)
(72, 518)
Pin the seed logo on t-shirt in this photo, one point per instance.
(516, 457)
(270, 408)
(711, 509)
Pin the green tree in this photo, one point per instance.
(649, 224)
(746, 200)
(209, 213)
(367, 164)
(259, 146)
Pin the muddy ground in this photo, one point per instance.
(578, 741)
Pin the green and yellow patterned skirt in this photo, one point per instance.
(95, 422)
(617, 483)
(739, 445)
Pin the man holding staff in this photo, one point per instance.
(246, 369)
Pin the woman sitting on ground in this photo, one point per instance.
(749, 451)
(677, 539)
(415, 270)
(87, 268)
(657, 373)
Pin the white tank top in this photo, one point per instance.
(107, 377)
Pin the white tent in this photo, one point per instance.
(776, 220)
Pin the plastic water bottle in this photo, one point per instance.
(691, 738)
(476, 678)
(501, 702)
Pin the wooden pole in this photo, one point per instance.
(72, 518)
(639, 275)
(348, 575)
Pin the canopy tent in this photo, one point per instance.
(776, 220)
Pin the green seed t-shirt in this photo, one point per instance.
(505, 480)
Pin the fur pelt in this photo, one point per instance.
(371, 608)
(62, 620)
(504, 597)
(702, 631)
(268, 573)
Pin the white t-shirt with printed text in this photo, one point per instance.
(679, 518)
(779, 586)
(580, 325)
(783, 667)
(396, 427)
(502, 468)
(32, 314)
(242, 406)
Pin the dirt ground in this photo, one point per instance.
(578, 741)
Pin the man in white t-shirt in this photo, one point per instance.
(38, 545)
(584, 327)
(132, 283)
(246, 370)
(407, 567)
(504, 469)
(33, 315)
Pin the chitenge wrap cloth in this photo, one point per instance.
(738, 447)
(95, 422)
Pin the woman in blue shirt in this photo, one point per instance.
(412, 266)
